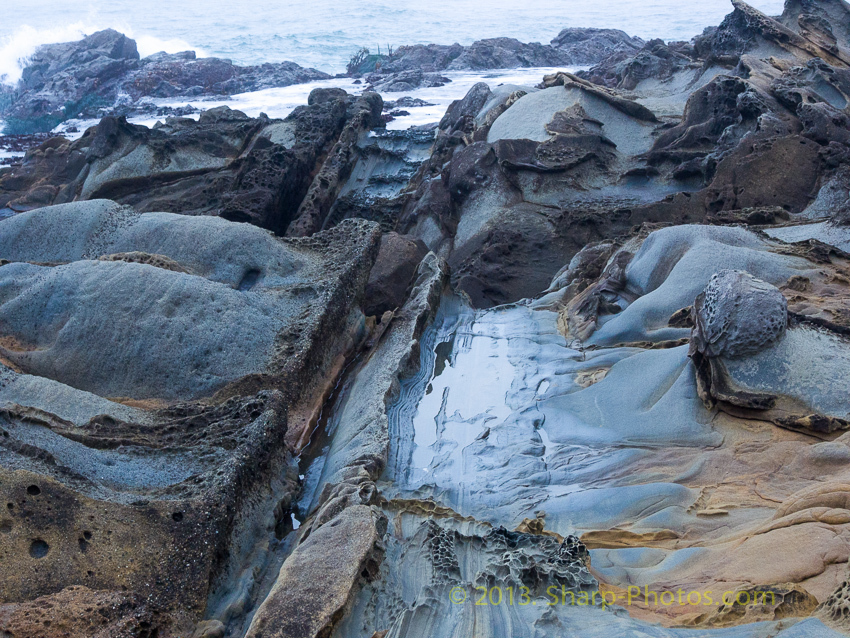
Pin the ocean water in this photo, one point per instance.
(325, 33)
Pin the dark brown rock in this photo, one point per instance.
(626, 68)
(80, 612)
(363, 114)
(398, 259)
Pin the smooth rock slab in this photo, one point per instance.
(805, 371)
(673, 265)
(317, 579)
(187, 337)
(527, 119)
(125, 329)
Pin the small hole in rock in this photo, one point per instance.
(39, 549)
(177, 516)
(33, 490)
(249, 279)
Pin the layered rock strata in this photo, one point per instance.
(153, 370)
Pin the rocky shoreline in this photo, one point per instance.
(410, 67)
(103, 75)
(310, 377)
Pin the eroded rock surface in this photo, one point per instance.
(594, 336)
(79, 612)
(243, 169)
(520, 178)
(143, 430)
(737, 315)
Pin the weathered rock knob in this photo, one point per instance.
(737, 315)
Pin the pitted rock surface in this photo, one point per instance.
(738, 315)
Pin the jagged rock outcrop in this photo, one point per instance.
(748, 30)
(626, 69)
(588, 46)
(779, 56)
(717, 164)
(491, 196)
(572, 46)
(266, 172)
(419, 65)
(717, 117)
(362, 114)
(640, 365)
(87, 78)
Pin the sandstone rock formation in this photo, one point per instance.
(147, 463)
(79, 612)
(673, 143)
(737, 315)
(591, 335)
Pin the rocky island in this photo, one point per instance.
(573, 361)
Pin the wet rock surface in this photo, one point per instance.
(311, 377)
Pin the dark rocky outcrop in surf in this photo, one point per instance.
(419, 65)
(103, 71)
(667, 134)
(573, 46)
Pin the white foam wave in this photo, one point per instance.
(17, 48)
(280, 102)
